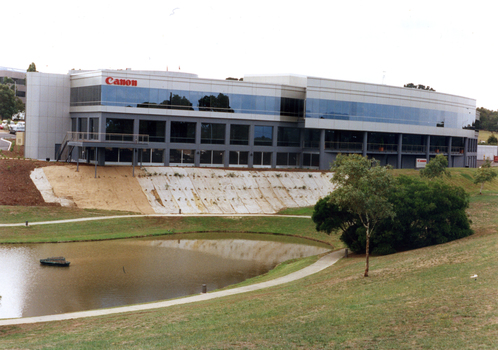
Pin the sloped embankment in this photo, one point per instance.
(169, 190)
(203, 190)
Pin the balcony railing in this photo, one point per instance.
(413, 148)
(344, 146)
(78, 136)
(438, 149)
(390, 148)
(380, 147)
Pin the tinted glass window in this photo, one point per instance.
(239, 134)
(212, 133)
(263, 135)
(290, 137)
(119, 126)
(155, 129)
(183, 132)
(379, 113)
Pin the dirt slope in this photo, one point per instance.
(115, 188)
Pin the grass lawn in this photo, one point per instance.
(484, 135)
(421, 299)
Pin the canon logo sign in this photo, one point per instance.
(124, 82)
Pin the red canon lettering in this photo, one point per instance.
(122, 82)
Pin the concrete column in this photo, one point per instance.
(301, 145)
(251, 144)
(427, 147)
(197, 156)
(465, 146)
(322, 149)
(226, 158)
(101, 155)
(167, 143)
(365, 143)
(400, 149)
(274, 144)
(450, 158)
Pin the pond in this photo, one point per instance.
(130, 271)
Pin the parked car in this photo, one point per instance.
(21, 127)
(4, 125)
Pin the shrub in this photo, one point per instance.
(492, 140)
(427, 213)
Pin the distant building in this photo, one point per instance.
(264, 121)
(19, 77)
(485, 153)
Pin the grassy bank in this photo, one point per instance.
(149, 226)
(421, 299)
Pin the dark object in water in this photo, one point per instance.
(55, 261)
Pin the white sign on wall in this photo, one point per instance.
(421, 162)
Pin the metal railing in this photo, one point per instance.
(457, 150)
(78, 136)
(380, 147)
(438, 149)
(344, 146)
(391, 148)
(413, 148)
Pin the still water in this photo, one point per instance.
(130, 271)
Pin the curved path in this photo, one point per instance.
(145, 215)
(323, 263)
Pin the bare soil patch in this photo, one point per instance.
(114, 188)
(16, 186)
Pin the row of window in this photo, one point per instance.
(126, 96)
(239, 134)
(268, 105)
(208, 157)
(211, 133)
(380, 113)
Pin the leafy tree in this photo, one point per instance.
(32, 67)
(484, 174)
(427, 213)
(328, 217)
(7, 102)
(488, 119)
(215, 103)
(436, 168)
(363, 189)
(492, 140)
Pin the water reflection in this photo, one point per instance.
(122, 272)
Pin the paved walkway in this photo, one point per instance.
(148, 215)
(323, 263)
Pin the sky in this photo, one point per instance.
(448, 45)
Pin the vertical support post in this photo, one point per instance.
(133, 162)
(450, 159)
(465, 146)
(428, 147)
(400, 149)
(322, 150)
(365, 144)
(78, 159)
(96, 160)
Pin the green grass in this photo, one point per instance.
(484, 135)
(282, 269)
(150, 226)
(307, 211)
(18, 214)
(420, 299)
